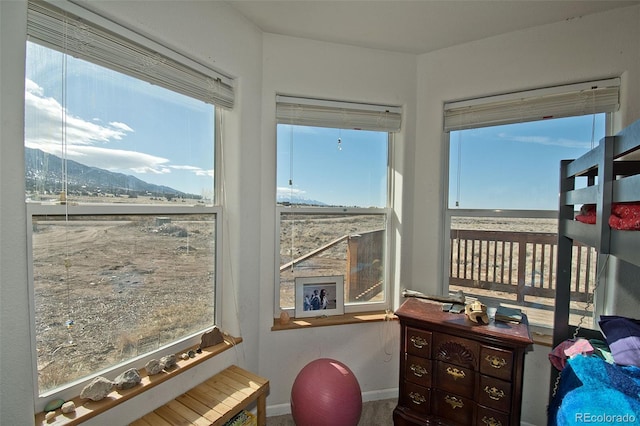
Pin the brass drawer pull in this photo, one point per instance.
(417, 398)
(418, 342)
(494, 393)
(454, 402)
(496, 362)
(418, 370)
(457, 374)
(491, 421)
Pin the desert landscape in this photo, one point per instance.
(108, 288)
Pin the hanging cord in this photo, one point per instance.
(63, 196)
(293, 228)
(584, 316)
(593, 131)
(384, 334)
(219, 129)
(459, 172)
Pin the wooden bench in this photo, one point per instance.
(213, 402)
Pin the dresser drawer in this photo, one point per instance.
(496, 362)
(453, 407)
(456, 350)
(418, 342)
(495, 393)
(418, 371)
(417, 398)
(456, 379)
(488, 417)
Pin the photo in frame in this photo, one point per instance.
(319, 296)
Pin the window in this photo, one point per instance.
(333, 197)
(503, 180)
(121, 197)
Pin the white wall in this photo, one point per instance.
(16, 375)
(213, 33)
(316, 69)
(579, 49)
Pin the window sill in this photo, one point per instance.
(86, 409)
(351, 318)
(542, 339)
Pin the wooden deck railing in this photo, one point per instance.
(516, 262)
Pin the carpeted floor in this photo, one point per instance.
(374, 413)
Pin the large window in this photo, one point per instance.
(333, 198)
(121, 199)
(503, 175)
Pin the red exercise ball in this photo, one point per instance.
(326, 393)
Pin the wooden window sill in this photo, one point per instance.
(351, 318)
(86, 409)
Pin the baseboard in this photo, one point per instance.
(278, 410)
(282, 409)
(377, 395)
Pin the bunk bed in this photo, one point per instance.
(603, 379)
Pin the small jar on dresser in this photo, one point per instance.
(456, 372)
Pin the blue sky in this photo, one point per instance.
(165, 138)
(156, 135)
(350, 173)
(517, 166)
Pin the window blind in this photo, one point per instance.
(337, 114)
(85, 35)
(532, 105)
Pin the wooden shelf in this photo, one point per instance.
(351, 318)
(86, 409)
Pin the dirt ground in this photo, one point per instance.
(108, 288)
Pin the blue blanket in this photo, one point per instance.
(596, 392)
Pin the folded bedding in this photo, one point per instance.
(595, 391)
(624, 216)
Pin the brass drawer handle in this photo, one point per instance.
(454, 402)
(496, 362)
(457, 374)
(418, 342)
(418, 370)
(417, 398)
(491, 421)
(494, 393)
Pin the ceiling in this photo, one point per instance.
(417, 26)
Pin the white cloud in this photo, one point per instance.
(545, 140)
(188, 168)
(32, 87)
(195, 170)
(87, 141)
(285, 191)
(206, 173)
(121, 126)
(49, 114)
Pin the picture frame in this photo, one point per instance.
(310, 301)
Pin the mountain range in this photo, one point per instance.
(43, 174)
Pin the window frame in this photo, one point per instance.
(389, 240)
(449, 212)
(73, 388)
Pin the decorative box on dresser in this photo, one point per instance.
(456, 372)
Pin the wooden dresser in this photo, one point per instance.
(456, 372)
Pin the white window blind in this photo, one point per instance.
(337, 114)
(552, 102)
(85, 35)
